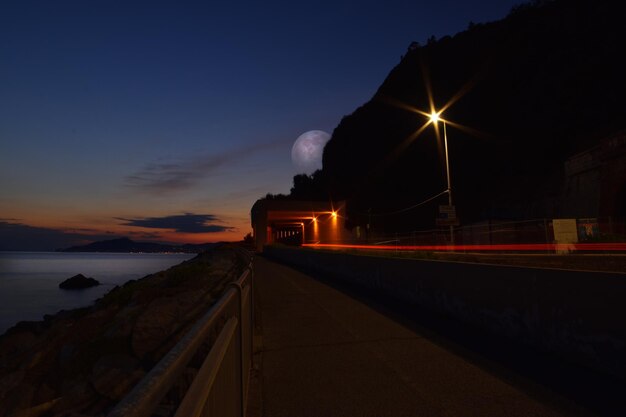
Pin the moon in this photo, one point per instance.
(307, 150)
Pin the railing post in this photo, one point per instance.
(252, 316)
(242, 388)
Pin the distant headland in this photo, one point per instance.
(126, 245)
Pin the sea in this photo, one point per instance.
(29, 281)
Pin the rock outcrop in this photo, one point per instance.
(79, 282)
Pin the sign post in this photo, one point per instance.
(447, 216)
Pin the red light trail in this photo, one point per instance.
(532, 247)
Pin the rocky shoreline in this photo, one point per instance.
(83, 361)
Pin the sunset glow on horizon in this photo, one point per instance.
(113, 113)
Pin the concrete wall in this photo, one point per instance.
(579, 315)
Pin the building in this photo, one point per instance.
(295, 222)
(595, 180)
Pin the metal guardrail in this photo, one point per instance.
(219, 387)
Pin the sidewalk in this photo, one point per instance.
(324, 354)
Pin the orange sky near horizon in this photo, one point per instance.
(166, 123)
(88, 224)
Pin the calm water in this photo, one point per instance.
(29, 281)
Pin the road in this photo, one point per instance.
(323, 353)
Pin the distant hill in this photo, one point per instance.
(125, 245)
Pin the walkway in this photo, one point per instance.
(324, 354)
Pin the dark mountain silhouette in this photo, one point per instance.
(127, 245)
(531, 90)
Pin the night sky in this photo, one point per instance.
(166, 121)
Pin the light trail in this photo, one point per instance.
(524, 247)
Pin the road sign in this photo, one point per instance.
(447, 216)
(447, 221)
(449, 210)
(565, 230)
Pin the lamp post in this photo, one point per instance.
(434, 118)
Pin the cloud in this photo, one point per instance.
(16, 236)
(170, 177)
(22, 237)
(173, 176)
(182, 223)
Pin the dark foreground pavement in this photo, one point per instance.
(322, 353)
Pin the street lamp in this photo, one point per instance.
(434, 119)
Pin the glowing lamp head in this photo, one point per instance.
(434, 117)
(334, 214)
(314, 219)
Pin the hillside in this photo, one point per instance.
(529, 91)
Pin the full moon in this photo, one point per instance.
(306, 153)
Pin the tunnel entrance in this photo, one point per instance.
(288, 233)
(293, 222)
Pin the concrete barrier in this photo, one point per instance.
(580, 315)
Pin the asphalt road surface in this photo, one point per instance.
(323, 353)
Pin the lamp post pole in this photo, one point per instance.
(434, 118)
(445, 142)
